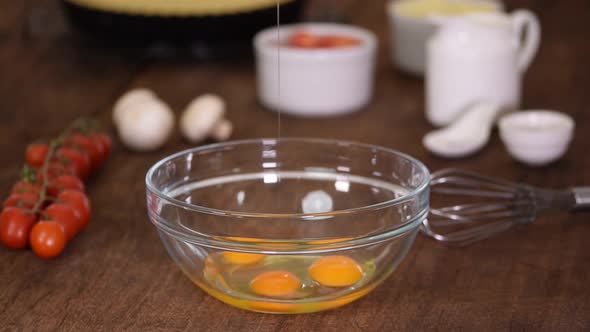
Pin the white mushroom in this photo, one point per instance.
(222, 131)
(145, 126)
(203, 118)
(130, 100)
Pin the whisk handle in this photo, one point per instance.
(582, 198)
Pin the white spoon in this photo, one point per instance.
(468, 134)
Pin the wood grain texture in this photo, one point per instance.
(116, 276)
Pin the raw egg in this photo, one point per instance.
(336, 271)
(241, 258)
(275, 284)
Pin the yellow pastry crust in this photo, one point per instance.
(178, 7)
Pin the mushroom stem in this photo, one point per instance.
(222, 130)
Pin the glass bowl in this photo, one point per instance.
(288, 225)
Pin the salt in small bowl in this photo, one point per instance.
(536, 137)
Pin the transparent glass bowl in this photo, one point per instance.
(288, 225)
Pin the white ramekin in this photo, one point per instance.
(315, 82)
(409, 35)
(536, 137)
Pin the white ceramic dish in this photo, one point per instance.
(409, 34)
(479, 57)
(536, 137)
(315, 82)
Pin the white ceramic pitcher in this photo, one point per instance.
(476, 58)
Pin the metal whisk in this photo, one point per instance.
(475, 207)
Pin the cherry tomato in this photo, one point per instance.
(303, 39)
(35, 154)
(15, 225)
(63, 182)
(78, 158)
(100, 146)
(106, 142)
(55, 169)
(338, 41)
(94, 151)
(22, 187)
(103, 142)
(65, 216)
(47, 239)
(79, 202)
(24, 200)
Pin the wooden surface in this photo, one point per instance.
(117, 276)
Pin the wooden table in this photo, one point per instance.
(117, 276)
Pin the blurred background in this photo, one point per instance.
(62, 59)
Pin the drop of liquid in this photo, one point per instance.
(317, 202)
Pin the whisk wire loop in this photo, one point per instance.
(501, 205)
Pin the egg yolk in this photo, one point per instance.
(336, 271)
(275, 284)
(242, 258)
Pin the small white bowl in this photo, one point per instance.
(536, 137)
(409, 34)
(315, 82)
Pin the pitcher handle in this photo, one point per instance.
(526, 23)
